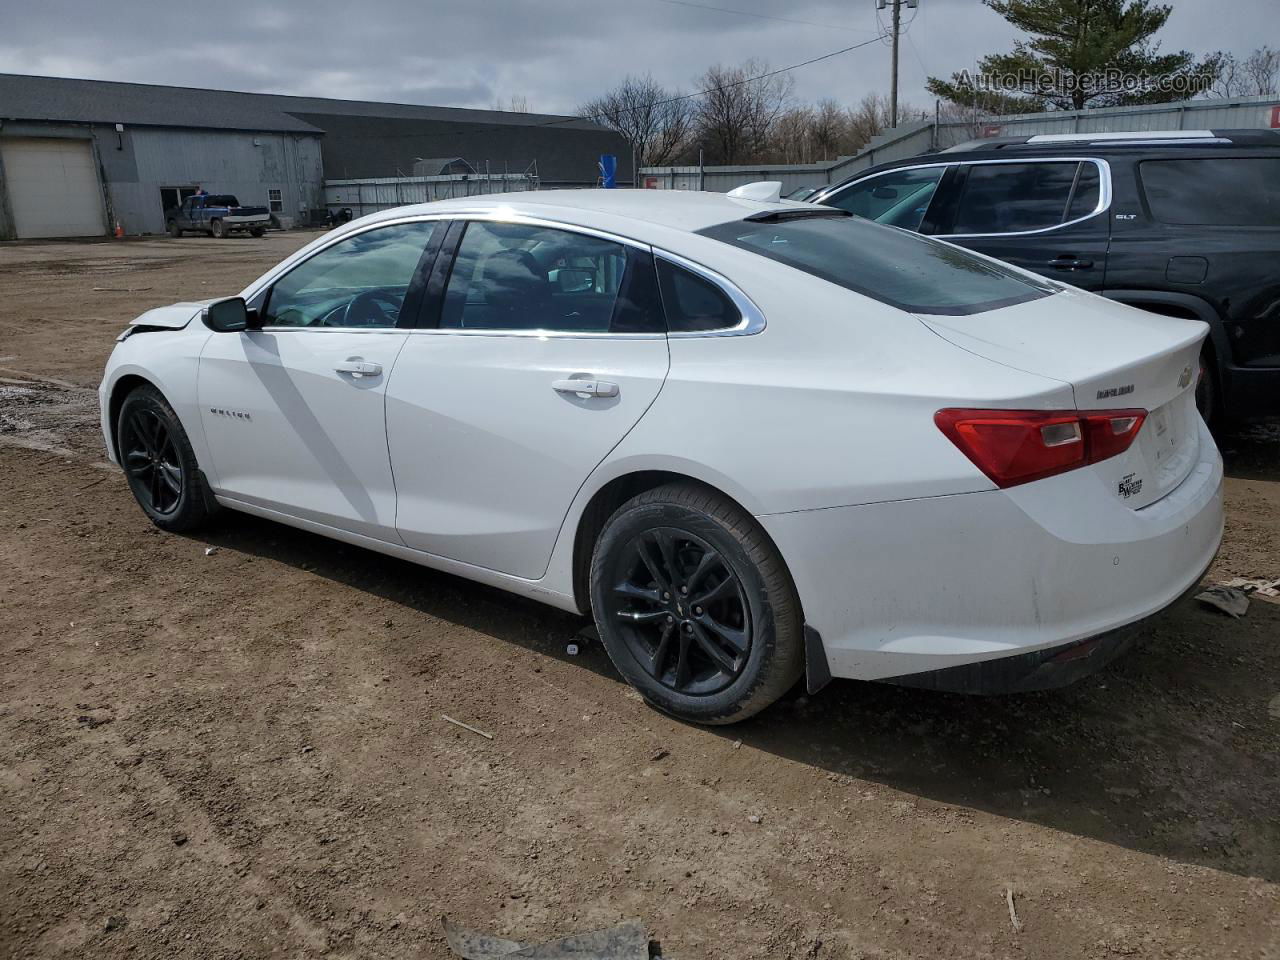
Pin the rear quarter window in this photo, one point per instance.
(902, 269)
(1218, 191)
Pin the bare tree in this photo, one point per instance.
(738, 107)
(1258, 74)
(1262, 68)
(516, 103)
(657, 122)
(830, 130)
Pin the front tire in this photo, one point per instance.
(218, 230)
(159, 463)
(695, 606)
(259, 231)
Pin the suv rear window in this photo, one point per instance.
(904, 270)
(1224, 191)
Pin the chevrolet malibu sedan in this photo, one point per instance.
(756, 440)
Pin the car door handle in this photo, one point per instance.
(1067, 262)
(359, 368)
(586, 388)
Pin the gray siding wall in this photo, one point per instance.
(135, 164)
(244, 164)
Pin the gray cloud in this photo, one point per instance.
(557, 53)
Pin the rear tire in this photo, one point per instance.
(159, 463)
(218, 230)
(695, 606)
(174, 230)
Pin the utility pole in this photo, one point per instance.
(895, 33)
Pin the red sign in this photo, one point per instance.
(991, 130)
(1275, 118)
(651, 183)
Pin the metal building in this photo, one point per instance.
(78, 157)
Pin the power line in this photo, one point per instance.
(761, 16)
(648, 106)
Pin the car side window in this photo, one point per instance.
(1015, 197)
(516, 276)
(694, 304)
(361, 281)
(1227, 191)
(899, 198)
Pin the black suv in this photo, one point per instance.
(1183, 223)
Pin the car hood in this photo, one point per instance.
(173, 317)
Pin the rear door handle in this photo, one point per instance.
(359, 368)
(586, 388)
(1067, 262)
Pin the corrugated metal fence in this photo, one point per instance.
(383, 193)
(911, 139)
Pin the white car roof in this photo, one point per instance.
(685, 210)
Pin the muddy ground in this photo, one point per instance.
(241, 754)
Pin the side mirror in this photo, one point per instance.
(227, 316)
(884, 193)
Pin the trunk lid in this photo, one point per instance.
(1114, 357)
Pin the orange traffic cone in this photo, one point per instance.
(119, 232)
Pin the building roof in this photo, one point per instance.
(25, 97)
(140, 104)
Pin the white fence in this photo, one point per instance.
(382, 193)
(911, 139)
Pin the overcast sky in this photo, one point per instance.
(557, 53)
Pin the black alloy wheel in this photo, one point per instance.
(681, 610)
(159, 463)
(151, 459)
(694, 604)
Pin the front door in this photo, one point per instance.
(294, 412)
(1048, 216)
(549, 346)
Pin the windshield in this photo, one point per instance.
(902, 269)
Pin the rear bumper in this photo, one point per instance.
(921, 586)
(1047, 669)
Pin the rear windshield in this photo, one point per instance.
(221, 200)
(896, 267)
(1225, 191)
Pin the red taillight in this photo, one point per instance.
(1018, 446)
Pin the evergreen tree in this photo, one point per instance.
(1081, 53)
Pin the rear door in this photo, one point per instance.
(546, 345)
(1046, 215)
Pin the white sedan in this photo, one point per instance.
(755, 439)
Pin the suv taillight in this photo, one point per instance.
(1018, 446)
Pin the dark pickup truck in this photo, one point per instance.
(217, 214)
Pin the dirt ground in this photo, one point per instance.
(241, 754)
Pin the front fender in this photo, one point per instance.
(169, 360)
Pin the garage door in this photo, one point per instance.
(53, 188)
